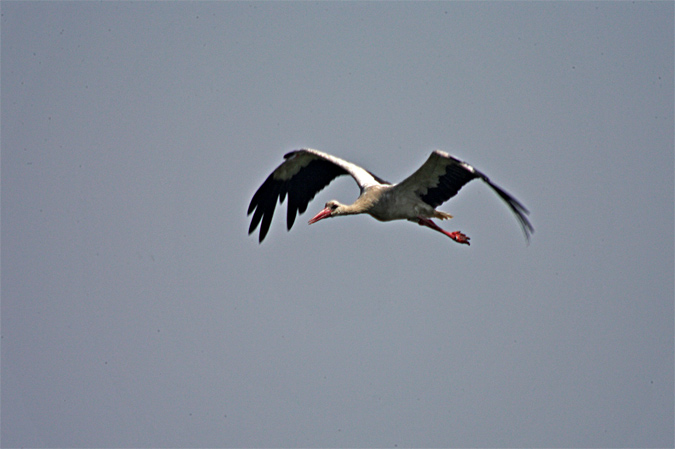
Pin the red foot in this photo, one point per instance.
(459, 237)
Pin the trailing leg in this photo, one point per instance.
(457, 236)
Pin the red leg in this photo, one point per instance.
(457, 236)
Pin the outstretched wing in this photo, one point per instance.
(301, 176)
(441, 177)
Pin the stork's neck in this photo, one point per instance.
(364, 203)
(349, 209)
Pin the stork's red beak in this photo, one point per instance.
(321, 215)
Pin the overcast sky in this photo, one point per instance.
(137, 312)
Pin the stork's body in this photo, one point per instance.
(306, 172)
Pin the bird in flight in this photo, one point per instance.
(305, 172)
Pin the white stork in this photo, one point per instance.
(305, 172)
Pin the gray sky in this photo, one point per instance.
(137, 312)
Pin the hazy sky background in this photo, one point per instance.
(137, 312)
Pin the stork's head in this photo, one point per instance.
(331, 209)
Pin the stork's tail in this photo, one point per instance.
(442, 215)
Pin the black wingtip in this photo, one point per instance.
(516, 207)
